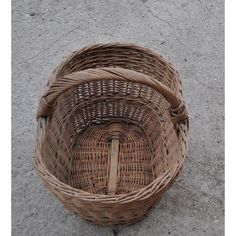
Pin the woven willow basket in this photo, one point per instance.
(112, 132)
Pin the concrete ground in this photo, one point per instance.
(190, 33)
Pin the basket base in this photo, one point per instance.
(94, 167)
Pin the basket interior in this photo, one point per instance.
(77, 144)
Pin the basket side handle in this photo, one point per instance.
(47, 102)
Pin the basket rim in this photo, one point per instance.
(126, 45)
(129, 45)
(157, 185)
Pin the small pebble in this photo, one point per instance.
(185, 59)
(162, 42)
(115, 232)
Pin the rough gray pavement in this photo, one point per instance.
(190, 33)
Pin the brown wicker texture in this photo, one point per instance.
(112, 132)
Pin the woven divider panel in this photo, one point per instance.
(78, 154)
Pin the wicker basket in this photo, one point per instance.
(112, 132)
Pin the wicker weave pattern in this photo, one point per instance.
(106, 96)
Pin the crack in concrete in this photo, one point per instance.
(165, 21)
(205, 32)
(45, 49)
(207, 8)
(59, 39)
